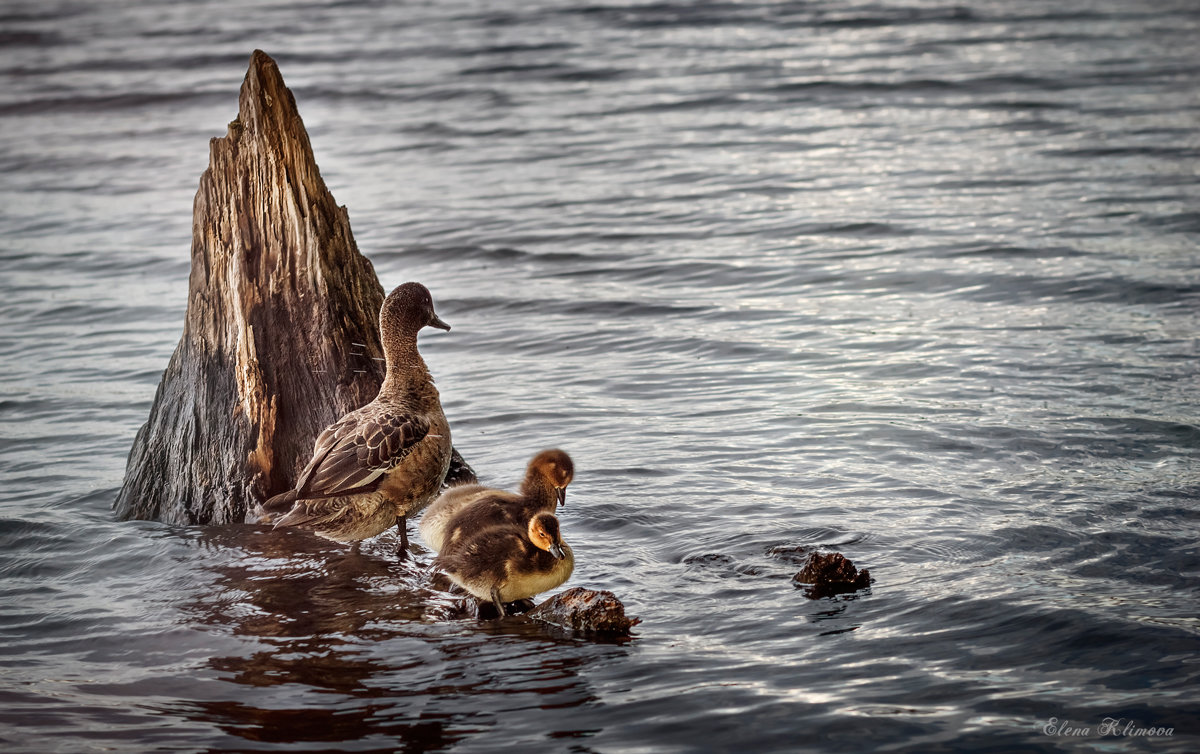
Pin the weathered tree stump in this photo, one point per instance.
(281, 336)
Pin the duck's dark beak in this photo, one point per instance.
(557, 551)
(562, 495)
(438, 323)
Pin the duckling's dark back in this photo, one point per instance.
(491, 553)
(503, 510)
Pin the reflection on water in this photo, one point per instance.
(369, 629)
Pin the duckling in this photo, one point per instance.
(509, 562)
(471, 507)
(378, 465)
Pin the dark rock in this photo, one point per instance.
(281, 336)
(577, 609)
(585, 610)
(829, 574)
(485, 610)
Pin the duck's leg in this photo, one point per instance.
(402, 528)
(496, 601)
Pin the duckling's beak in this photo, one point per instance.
(562, 495)
(438, 323)
(557, 551)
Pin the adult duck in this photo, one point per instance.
(378, 465)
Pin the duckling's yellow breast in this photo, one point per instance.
(526, 580)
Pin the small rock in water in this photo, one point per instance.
(825, 575)
(585, 610)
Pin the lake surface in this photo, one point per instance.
(915, 282)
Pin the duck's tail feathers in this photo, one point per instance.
(270, 511)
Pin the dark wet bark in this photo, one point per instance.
(829, 574)
(585, 610)
(281, 336)
(578, 609)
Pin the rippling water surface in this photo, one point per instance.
(912, 281)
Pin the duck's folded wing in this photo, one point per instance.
(352, 455)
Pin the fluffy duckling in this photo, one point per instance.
(471, 507)
(509, 562)
(377, 465)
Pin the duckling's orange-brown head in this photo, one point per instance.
(545, 534)
(553, 468)
(407, 309)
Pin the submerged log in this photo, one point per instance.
(281, 336)
(585, 610)
(578, 609)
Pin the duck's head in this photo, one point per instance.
(545, 534)
(552, 467)
(407, 309)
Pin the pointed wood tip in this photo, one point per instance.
(265, 98)
(264, 71)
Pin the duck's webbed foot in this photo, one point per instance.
(402, 529)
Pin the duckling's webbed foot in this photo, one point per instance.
(497, 602)
(520, 606)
